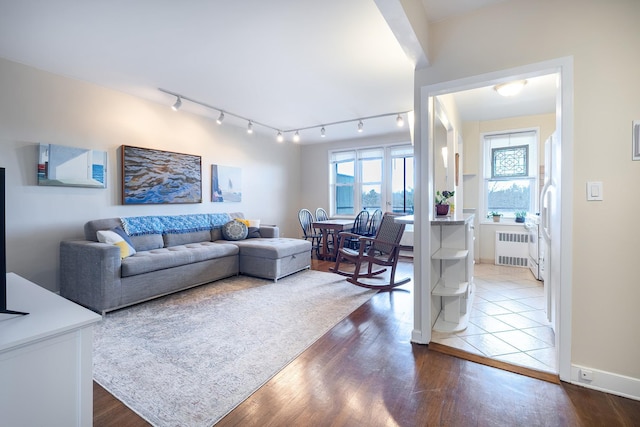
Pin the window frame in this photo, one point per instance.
(486, 168)
(360, 154)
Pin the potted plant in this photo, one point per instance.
(442, 202)
(495, 215)
(520, 216)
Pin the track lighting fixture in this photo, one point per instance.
(279, 132)
(176, 106)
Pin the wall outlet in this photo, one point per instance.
(586, 375)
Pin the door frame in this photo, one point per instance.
(562, 249)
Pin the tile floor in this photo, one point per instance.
(507, 321)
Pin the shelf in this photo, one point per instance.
(443, 291)
(449, 254)
(442, 325)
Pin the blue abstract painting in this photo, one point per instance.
(160, 177)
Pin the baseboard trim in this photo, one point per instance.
(607, 382)
(540, 375)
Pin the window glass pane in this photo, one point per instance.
(509, 196)
(371, 170)
(402, 185)
(371, 197)
(345, 172)
(344, 200)
(510, 162)
(345, 181)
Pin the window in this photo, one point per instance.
(344, 177)
(510, 166)
(370, 162)
(402, 180)
(372, 178)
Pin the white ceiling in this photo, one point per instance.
(289, 64)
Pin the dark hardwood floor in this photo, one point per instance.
(366, 372)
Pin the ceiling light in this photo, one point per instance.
(510, 88)
(322, 133)
(220, 118)
(296, 137)
(177, 105)
(360, 126)
(279, 137)
(250, 127)
(400, 120)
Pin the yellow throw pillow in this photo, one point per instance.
(113, 238)
(244, 221)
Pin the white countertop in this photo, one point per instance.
(455, 219)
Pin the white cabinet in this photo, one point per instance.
(452, 267)
(46, 370)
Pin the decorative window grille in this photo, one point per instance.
(510, 162)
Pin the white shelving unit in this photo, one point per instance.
(452, 258)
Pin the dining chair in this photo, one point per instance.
(374, 222)
(360, 228)
(306, 222)
(321, 215)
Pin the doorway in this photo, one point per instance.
(559, 281)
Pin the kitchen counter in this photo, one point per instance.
(455, 219)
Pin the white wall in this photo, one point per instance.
(602, 37)
(40, 107)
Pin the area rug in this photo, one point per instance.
(190, 358)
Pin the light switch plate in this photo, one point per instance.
(594, 191)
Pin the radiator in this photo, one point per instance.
(512, 249)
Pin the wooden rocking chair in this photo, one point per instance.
(381, 250)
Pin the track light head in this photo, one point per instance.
(176, 106)
(322, 132)
(399, 120)
(279, 137)
(360, 126)
(296, 137)
(220, 118)
(250, 127)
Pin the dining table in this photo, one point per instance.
(329, 229)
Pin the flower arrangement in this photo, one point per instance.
(442, 198)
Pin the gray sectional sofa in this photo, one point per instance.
(172, 253)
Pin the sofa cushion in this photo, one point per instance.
(275, 248)
(147, 242)
(235, 230)
(159, 259)
(175, 239)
